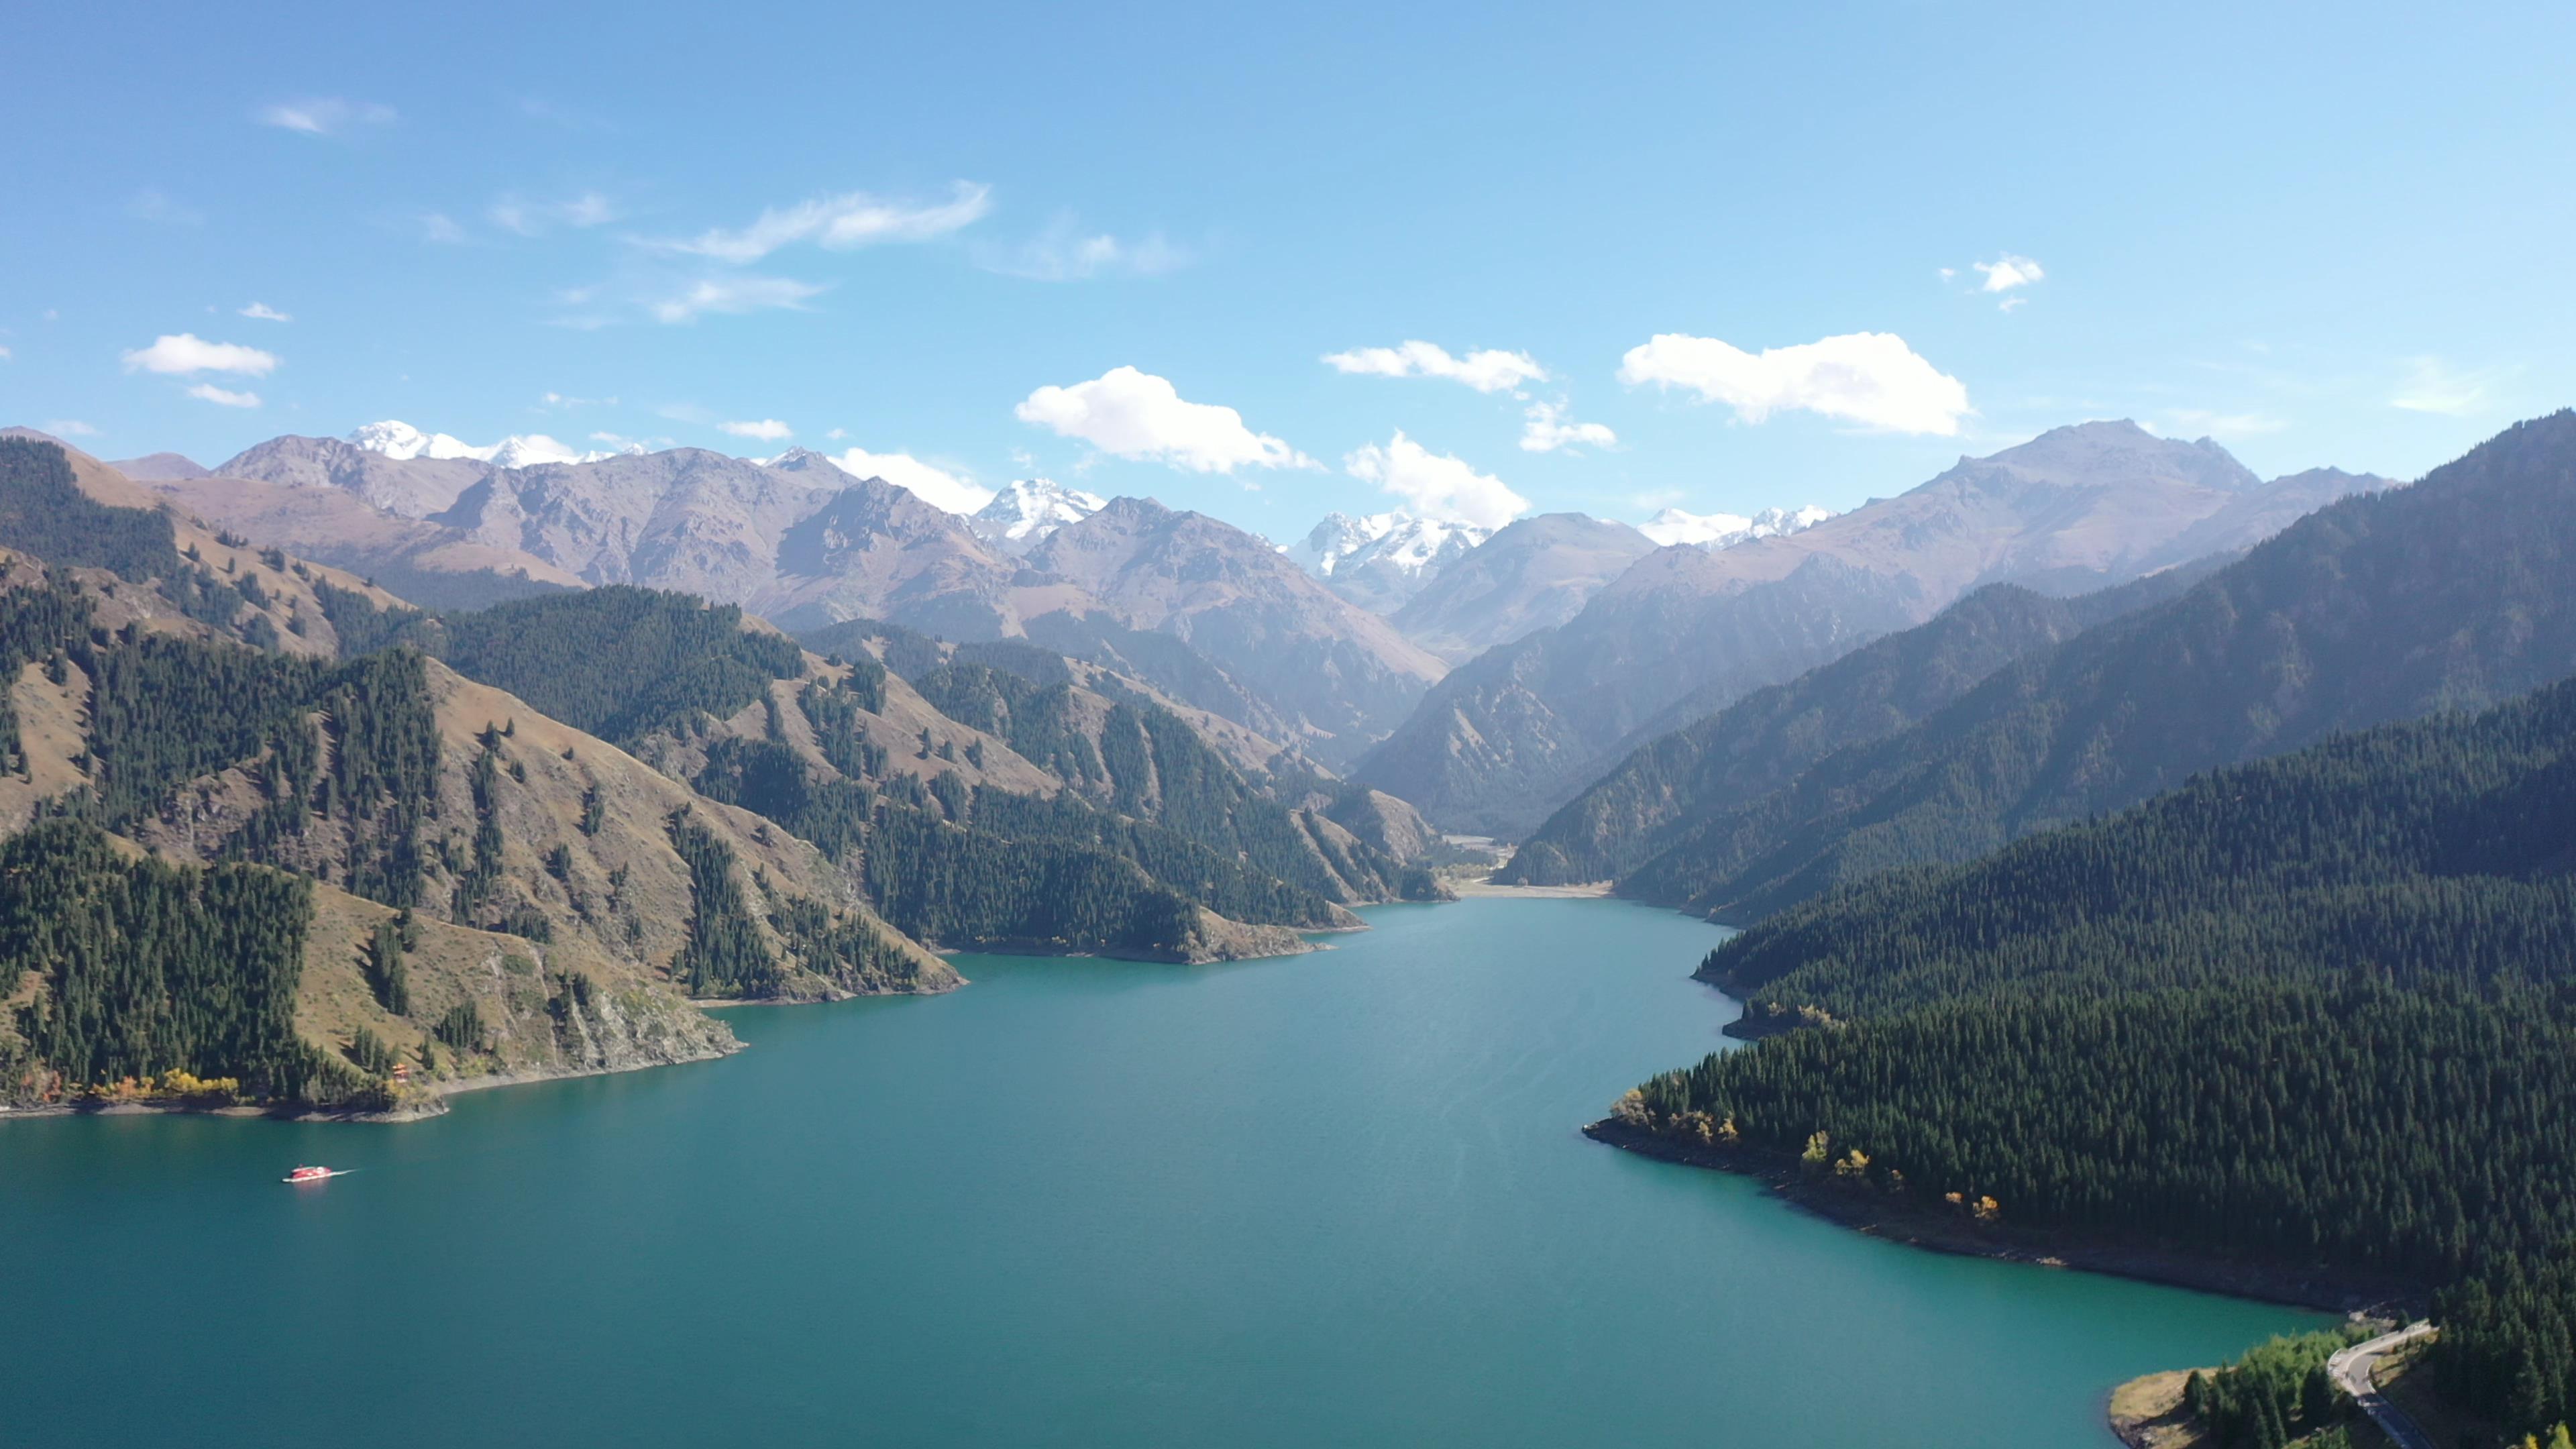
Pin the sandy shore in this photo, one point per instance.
(1481, 890)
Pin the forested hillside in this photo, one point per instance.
(2451, 593)
(2314, 1011)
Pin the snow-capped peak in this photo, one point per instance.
(1028, 510)
(400, 440)
(1397, 541)
(1720, 530)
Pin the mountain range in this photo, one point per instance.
(1685, 631)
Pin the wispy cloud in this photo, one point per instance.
(2223, 425)
(186, 352)
(840, 223)
(160, 209)
(70, 428)
(440, 228)
(1545, 428)
(1064, 252)
(1490, 370)
(265, 313)
(2434, 386)
(564, 400)
(224, 397)
(535, 218)
(766, 430)
(326, 116)
(734, 295)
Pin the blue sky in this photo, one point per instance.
(2327, 234)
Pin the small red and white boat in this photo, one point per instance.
(316, 1174)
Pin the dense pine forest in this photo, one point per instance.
(2314, 1011)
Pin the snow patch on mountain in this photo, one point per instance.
(1721, 530)
(1025, 512)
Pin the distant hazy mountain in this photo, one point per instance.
(2452, 593)
(1766, 739)
(1381, 560)
(1508, 737)
(1344, 673)
(160, 467)
(1534, 574)
(1721, 530)
(1021, 516)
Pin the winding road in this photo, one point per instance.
(2351, 1370)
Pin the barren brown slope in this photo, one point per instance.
(1344, 673)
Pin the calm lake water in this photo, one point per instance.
(1331, 1200)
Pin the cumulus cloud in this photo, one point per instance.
(1545, 428)
(223, 396)
(2433, 386)
(734, 295)
(767, 430)
(536, 218)
(265, 313)
(1870, 378)
(1486, 371)
(187, 353)
(326, 116)
(1130, 414)
(935, 486)
(2007, 272)
(840, 223)
(1436, 485)
(1065, 253)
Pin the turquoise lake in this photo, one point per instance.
(1337, 1199)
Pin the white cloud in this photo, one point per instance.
(1547, 429)
(735, 295)
(837, 434)
(562, 400)
(5, 354)
(1063, 253)
(1486, 371)
(158, 208)
(1132, 414)
(937, 487)
(70, 428)
(841, 223)
(439, 227)
(1870, 378)
(187, 353)
(536, 218)
(326, 116)
(1436, 485)
(2007, 272)
(767, 430)
(224, 397)
(265, 313)
(2432, 386)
